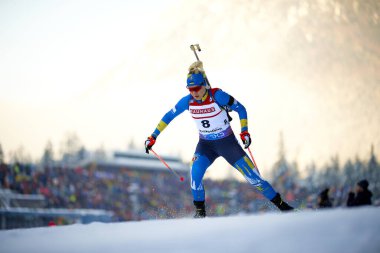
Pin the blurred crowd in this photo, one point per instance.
(130, 194)
(149, 194)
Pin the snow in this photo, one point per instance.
(333, 230)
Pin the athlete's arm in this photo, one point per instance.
(224, 99)
(180, 107)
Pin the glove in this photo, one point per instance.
(196, 67)
(246, 138)
(149, 143)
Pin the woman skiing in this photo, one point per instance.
(209, 108)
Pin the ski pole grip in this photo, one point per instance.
(195, 47)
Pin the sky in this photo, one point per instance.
(331, 231)
(109, 70)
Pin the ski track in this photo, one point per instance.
(334, 230)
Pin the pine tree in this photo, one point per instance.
(1, 154)
(47, 159)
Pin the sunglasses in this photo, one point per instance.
(195, 89)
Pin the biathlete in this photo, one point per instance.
(209, 107)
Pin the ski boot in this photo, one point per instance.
(200, 209)
(283, 206)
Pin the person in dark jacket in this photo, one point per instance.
(362, 195)
(324, 199)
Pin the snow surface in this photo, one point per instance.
(334, 230)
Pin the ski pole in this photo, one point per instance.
(167, 166)
(253, 160)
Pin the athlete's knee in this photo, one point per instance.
(199, 165)
(200, 160)
(245, 166)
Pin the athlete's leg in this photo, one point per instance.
(245, 166)
(204, 156)
(252, 175)
(200, 163)
(230, 149)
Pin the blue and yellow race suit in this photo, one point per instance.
(216, 138)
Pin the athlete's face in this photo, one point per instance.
(197, 92)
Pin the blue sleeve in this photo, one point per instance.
(224, 99)
(180, 107)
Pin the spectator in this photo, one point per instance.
(324, 199)
(362, 195)
(51, 224)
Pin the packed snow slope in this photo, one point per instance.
(336, 230)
